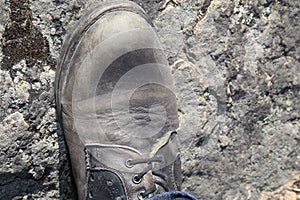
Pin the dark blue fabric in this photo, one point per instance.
(174, 195)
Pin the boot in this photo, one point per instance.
(116, 107)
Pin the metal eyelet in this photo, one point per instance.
(140, 196)
(136, 180)
(128, 163)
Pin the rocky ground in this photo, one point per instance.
(236, 68)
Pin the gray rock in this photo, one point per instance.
(236, 71)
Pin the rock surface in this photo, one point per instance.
(236, 69)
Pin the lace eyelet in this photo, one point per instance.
(136, 180)
(128, 163)
(140, 196)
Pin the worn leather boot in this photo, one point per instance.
(116, 107)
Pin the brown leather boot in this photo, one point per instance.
(116, 107)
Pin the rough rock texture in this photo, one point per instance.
(236, 69)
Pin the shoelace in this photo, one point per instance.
(138, 177)
(131, 162)
(152, 159)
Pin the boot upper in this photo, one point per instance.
(116, 107)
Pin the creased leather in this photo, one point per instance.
(114, 93)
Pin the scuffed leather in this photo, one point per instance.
(112, 51)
